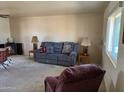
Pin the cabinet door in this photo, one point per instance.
(19, 48)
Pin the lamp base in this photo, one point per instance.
(85, 50)
(34, 46)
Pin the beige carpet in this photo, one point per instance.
(26, 75)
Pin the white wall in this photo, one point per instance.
(114, 76)
(60, 28)
(4, 30)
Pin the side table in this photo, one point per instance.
(85, 58)
(31, 51)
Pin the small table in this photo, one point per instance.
(31, 51)
(85, 58)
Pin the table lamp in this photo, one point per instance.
(85, 43)
(34, 41)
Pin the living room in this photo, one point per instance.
(30, 32)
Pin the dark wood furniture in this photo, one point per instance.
(2, 45)
(19, 47)
(16, 48)
(13, 48)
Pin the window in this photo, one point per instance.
(113, 28)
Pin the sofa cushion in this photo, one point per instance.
(49, 50)
(41, 55)
(42, 44)
(52, 56)
(58, 47)
(86, 71)
(67, 48)
(64, 57)
(48, 44)
(53, 47)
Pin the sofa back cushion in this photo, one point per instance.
(81, 72)
(48, 46)
(49, 50)
(53, 47)
(58, 46)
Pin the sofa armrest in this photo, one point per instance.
(50, 84)
(36, 52)
(73, 54)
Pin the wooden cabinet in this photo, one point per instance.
(16, 48)
(13, 48)
(84, 58)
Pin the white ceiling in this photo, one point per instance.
(38, 8)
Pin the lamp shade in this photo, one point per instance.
(86, 42)
(34, 39)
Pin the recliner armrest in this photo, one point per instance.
(51, 83)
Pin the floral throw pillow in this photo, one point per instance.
(67, 48)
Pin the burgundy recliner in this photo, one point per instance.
(83, 78)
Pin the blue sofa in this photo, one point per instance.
(57, 57)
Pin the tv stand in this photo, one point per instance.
(17, 48)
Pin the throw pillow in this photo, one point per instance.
(67, 48)
(42, 49)
(49, 50)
